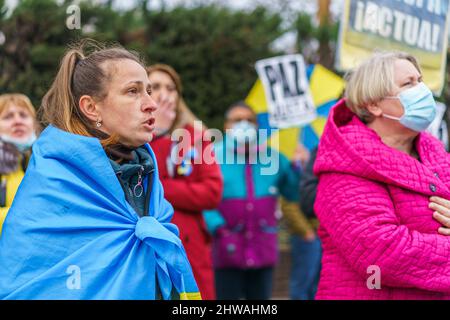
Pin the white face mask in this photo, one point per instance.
(419, 108)
(243, 131)
(21, 144)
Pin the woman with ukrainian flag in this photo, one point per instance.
(90, 220)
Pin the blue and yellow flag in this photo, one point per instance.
(326, 88)
(71, 234)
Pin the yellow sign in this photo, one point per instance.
(417, 27)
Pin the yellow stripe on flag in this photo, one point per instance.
(325, 85)
(318, 125)
(287, 141)
(190, 296)
(257, 98)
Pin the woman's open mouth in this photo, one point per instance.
(150, 123)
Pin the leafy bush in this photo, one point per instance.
(214, 49)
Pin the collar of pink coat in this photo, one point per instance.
(348, 146)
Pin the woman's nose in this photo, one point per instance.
(18, 119)
(150, 104)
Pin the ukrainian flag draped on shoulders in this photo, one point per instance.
(71, 234)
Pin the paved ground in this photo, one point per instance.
(281, 278)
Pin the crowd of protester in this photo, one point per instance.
(126, 184)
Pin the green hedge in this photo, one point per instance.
(214, 49)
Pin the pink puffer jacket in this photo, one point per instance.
(372, 203)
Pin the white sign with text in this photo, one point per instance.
(287, 92)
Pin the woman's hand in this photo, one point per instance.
(441, 213)
(301, 154)
(310, 236)
(165, 114)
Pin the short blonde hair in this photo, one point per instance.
(373, 80)
(17, 99)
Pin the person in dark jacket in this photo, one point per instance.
(308, 187)
(306, 251)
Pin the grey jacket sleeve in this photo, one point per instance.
(308, 187)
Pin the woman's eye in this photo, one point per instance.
(132, 91)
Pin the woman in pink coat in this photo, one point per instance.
(383, 185)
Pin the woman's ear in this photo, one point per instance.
(88, 108)
(374, 109)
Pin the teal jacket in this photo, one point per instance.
(245, 223)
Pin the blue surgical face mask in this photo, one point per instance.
(21, 144)
(243, 131)
(419, 107)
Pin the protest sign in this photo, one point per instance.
(419, 27)
(287, 91)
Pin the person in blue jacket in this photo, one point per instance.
(245, 225)
(89, 220)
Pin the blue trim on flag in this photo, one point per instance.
(324, 109)
(309, 71)
(309, 138)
